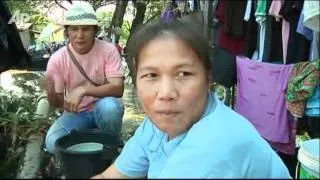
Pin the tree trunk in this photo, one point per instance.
(141, 7)
(117, 17)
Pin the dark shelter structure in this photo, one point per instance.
(12, 52)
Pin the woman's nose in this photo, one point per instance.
(167, 89)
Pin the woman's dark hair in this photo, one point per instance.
(188, 32)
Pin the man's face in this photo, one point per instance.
(81, 37)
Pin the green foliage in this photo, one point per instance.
(24, 6)
(14, 108)
(104, 19)
(125, 31)
(17, 111)
(31, 7)
(39, 22)
(219, 90)
(98, 3)
(154, 9)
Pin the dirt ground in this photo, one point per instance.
(132, 115)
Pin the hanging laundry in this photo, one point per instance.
(223, 67)
(302, 29)
(313, 104)
(230, 16)
(311, 13)
(261, 9)
(303, 80)
(311, 35)
(287, 148)
(260, 15)
(251, 35)
(234, 25)
(248, 11)
(298, 46)
(274, 11)
(315, 50)
(273, 51)
(260, 98)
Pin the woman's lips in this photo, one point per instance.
(167, 113)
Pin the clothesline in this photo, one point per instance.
(268, 31)
(269, 52)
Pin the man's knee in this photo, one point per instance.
(110, 105)
(55, 132)
(61, 127)
(109, 115)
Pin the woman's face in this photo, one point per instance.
(81, 37)
(172, 84)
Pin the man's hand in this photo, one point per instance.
(73, 99)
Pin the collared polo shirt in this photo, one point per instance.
(222, 144)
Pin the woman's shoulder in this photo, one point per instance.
(223, 127)
(146, 132)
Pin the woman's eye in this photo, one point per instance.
(183, 74)
(149, 76)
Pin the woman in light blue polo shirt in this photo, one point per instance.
(187, 132)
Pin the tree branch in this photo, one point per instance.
(51, 5)
(56, 1)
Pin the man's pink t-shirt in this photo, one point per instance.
(103, 61)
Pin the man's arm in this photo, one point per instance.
(114, 87)
(55, 99)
